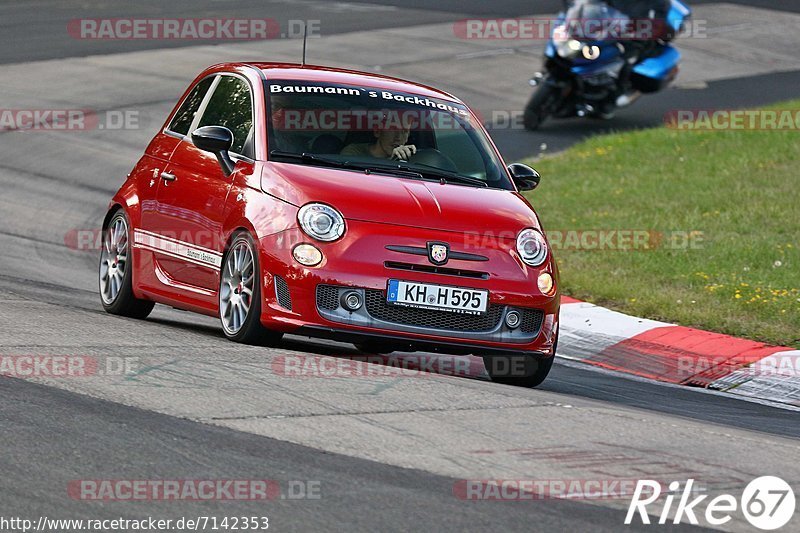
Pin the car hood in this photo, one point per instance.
(391, 200)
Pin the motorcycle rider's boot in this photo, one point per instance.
(626, 99)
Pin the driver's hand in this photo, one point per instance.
(403, 153)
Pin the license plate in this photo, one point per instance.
(439, 297)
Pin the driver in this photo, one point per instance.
(390, 143)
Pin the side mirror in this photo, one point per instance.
(525, 178)
(218, 141)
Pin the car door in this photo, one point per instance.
(193, 189)
(152, 167)
(159, 151)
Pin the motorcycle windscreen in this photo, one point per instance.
(594, 20)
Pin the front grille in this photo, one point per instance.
(327, 297)
(380, 309)
(419, 250)
(437, 270)
(282, 293)
(532, 321)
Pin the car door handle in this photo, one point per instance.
(166, 176)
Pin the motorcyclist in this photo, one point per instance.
(652, 10)
(638, 48)
(639, 9)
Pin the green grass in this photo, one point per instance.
(736, 192)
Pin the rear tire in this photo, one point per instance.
(116, 271)
(240, 294)
(537, 109)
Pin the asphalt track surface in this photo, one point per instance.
(31, 31)
(55, 432)
(41, 24)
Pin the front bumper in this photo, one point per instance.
(376, 313)
(412, 344)
(307, 301)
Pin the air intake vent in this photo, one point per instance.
(532, 321)
(327, 297)
(380, 309)
(282, 293)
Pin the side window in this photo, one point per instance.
(183, 118)
(231, 106)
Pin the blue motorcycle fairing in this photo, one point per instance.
(678, 13)
(660, 66)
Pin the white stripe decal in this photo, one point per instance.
(176, 256)
(178, 249)
(176, 241)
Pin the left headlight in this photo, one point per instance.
(532, 247)
(321, 222)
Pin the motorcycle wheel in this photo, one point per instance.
(538, 107)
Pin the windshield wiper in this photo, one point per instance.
(445, 175)
(392, 171)
(311, 158)
(367, 168)
(399, 169)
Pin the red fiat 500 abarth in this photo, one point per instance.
(330, 203)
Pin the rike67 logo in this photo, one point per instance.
(768, 503)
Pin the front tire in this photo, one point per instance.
(374, 347)
(508, 369)
(240, 294)
(511, 370)
(539, 106)
(116, 271)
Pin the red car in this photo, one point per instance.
(331, 203)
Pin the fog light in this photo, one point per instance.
(351, 300)
(546, 284)
(513, 319)
(307, 254)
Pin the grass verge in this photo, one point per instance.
(721, 212)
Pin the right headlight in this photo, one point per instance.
(532, 247)
(568, 48)
(321, 222)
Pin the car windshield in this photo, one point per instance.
(369, 129)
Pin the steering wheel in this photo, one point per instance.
(432, 157)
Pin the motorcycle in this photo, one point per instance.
(593, 72)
